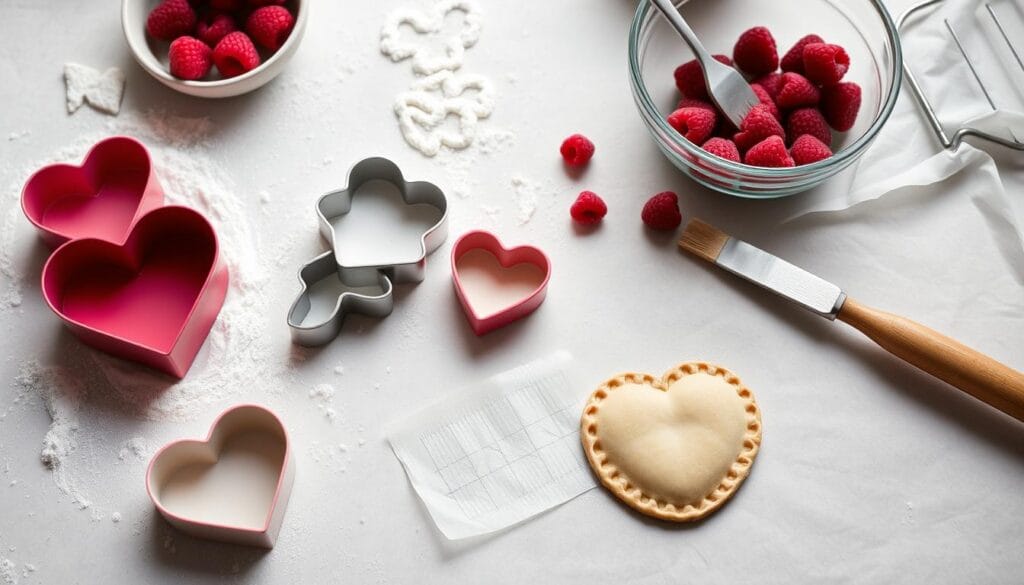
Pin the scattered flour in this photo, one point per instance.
(115, 517)
(135, 449)
(102, 91)
(8, 572)
(425, 61)
(323, 396)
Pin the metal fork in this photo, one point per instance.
(727, 88)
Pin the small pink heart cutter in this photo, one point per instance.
(129, 277)
(507, 257)
(103, 198)
(185, 453)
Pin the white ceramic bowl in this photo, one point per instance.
(133, 21)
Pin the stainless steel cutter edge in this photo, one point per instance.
(337, 203)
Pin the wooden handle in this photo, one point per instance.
(973, 372)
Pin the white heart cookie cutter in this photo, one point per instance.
(179, 479)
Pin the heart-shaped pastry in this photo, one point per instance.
(497, 285)
(102, 198)
(422, 110)
(232, 486)
(675, 448)
(152, 298)
(431, 22)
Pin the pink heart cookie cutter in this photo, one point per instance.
(179, 482)
(129, 277)
(484, 321)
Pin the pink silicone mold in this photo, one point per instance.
(133, 279)
(484, 321)
(179, 472)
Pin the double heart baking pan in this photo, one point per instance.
(129, 276)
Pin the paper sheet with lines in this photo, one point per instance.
(498, 452)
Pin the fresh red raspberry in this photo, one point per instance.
(588, 208)
(793, 60)
(808, 149)
(770, 152)
(235, 54)
(270, 26)
(766, 99)
(695, 124)
(690, 78)
(170, 20)
(758, 125)
(771, 82)
(265, 2)
(840, 105)
(661, 212)
(227, 5)
(796, 92)
(577, 150)
(755, 52)
(190, 58)
(825, 64)
(808, 121)
(214, 27)
(724, 148)
(692, 103)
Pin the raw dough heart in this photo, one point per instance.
(675, 448)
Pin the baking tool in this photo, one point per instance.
(113, 187)
(151, 298)
(953, 142)
(133, 23)
(331, 206)
(526, 269)
(863, 27)
(232, 486)
(498, 451)
(727, 88)
(322, 273)
(950, 361)
(131, 278)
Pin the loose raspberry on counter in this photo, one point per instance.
(755, 52)
(770, 152)
(661, 212)
(170, 20)
(765, 98)
(825, 64)
(771, 82)
(577, 150)
(588, 208)
(724, 148)
(270, 26)
(190, 58)
(695, 124)
(797, 91)
(235, 54)
(215, 27)
(808, 149)
(808, 121)
(758, 125)
(690, 78)
(840, 104)
(793, 60)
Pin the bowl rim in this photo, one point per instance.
(301, 13)
(644, 101)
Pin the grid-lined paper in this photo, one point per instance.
(499, 452)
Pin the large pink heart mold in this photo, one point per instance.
(152, 298)
(102, 198)
(484, 320)
(180, 486)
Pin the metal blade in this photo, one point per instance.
(775, 274)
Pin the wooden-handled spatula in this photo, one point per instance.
(948, 360)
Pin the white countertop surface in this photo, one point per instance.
(869, 471)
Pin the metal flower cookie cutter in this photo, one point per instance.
(361, 286)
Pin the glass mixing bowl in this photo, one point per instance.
(863, 27)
